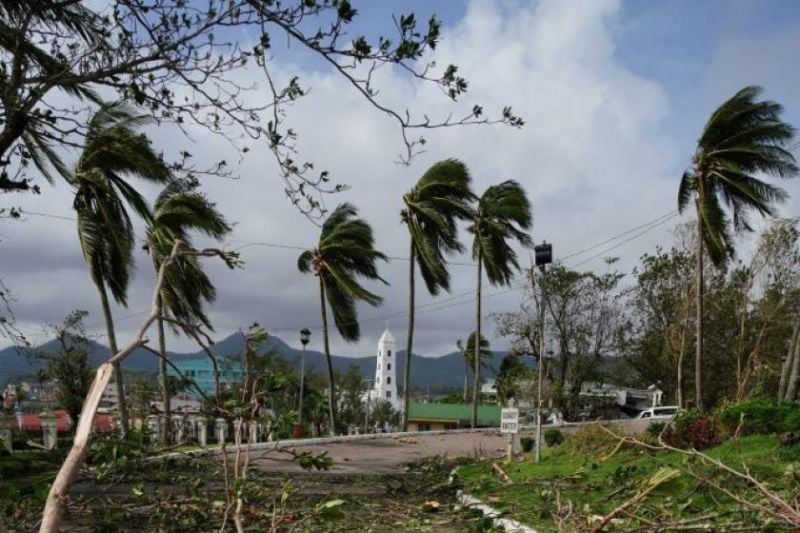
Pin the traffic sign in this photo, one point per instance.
(509, 420)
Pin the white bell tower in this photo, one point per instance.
(386, 371)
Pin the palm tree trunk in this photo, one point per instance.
(787, 362)
(112, 344)
(698, 359)
(326, 345)
(477, 369)
(162, 376)
(409, 338)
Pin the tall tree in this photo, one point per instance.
(502, 214)
(113, 153)
(179, 210)
(345, 252)
(431, 210)
(744, 137)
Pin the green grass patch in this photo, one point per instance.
(567, 488)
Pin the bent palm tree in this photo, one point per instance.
(742, 138)
(345, 252)
(503, 212)
(179, 210)
(431, 210)
(113, 152)
(468, 353)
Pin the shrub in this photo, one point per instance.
(760, 416)
(691, 429)
(527, 443)
(553, 437)
(655, 429)
(592, 439)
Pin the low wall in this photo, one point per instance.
(629, 426)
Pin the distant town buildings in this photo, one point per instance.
(201, 371)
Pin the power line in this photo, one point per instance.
(450, 301)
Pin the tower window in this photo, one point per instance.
(388, 394)
(388, 353)
(389, 380)
(388, 366)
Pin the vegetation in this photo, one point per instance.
(553, 437)
(178, 210)
(744, 137)
(159, 63)
(574, 490)
(344, 254)
(113, 153)
(502, 213)
(468, 351)
(431, 209)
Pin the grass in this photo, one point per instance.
(568, 487)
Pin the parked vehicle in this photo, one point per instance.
(666, 412)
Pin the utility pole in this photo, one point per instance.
(544, 256)
(305, 335)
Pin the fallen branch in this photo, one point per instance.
(503, 474)
(58, 495)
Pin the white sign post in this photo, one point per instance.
(509, 424)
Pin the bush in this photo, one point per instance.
(592, 439)
(760, 417)
(691, 429)
(527, 443)
(655, 429)
(553, 437)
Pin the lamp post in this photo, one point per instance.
(305, 336)
(544, 256)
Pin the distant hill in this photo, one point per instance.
(439, 373)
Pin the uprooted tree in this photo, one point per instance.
(182, 62)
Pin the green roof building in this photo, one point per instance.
(446, 416)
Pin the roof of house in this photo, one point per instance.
(488, 415)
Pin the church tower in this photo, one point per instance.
(386, 371)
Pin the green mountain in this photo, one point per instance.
(437, 373)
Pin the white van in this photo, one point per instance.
(666, 412)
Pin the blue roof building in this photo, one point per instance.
(201, 370)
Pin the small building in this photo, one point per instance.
(449, 416)
(201, 370)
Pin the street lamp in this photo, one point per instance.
(544, 256)
(305, 336)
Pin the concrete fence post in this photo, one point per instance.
(222, 430)
(6, 437)
(202, 431)
(49, 429)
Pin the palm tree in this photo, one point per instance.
(178, 210)
(345, 252)
(503, 213)
(440, 198)
(742, 138)
(112, 153)
(468, 353)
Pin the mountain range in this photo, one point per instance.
(435, 373)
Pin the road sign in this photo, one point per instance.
(509, 420)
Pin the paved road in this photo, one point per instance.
(388, 455)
